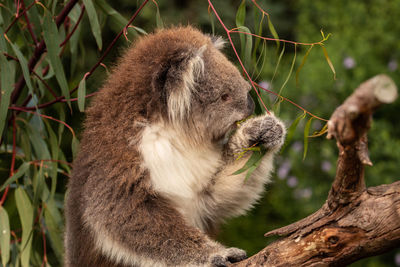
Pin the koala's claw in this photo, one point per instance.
(267, 130)
(229, 255)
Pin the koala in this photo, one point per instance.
(154, 176)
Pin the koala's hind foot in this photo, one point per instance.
(227, 256)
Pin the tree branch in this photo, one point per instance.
(355, 222)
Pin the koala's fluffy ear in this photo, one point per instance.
(176, 80)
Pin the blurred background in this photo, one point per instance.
(364, 42)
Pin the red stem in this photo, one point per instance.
(17, 17)
(273, 39)
(28, 23)
(43, 116)
(290, 101)
(75, 27)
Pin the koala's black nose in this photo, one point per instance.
(250, 104)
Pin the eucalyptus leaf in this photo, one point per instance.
(25, 211)
(7, 77)
(21, 171)
(50, 35)
(159, 21)
(273, 32)
(94, 22)
(306, 133)
(82, 94)
(302, 64)
(254, 160)
(291, 130)
(328, 60)
(5, 236)
(24, 67)
(74, 146)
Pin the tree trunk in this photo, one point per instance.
(355, 222)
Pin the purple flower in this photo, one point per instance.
(326, 166)
(392, 65)
(349, 63)
(297, 146)
(292, 181)
(397, 259)
(284, 169)
(303, 193)
(265, 84)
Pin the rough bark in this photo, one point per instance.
(355, 222)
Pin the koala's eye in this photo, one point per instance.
(225, 97)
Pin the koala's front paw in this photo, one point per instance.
(229, 255)
(266, 130)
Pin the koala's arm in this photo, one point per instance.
(232, 194)
(134, 227)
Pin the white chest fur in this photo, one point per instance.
(177, 168)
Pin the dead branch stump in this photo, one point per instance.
(355, 222)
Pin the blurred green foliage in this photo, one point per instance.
(364, 43)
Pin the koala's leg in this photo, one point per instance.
(133, 227)
(231, 194)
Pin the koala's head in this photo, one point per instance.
(202, 90)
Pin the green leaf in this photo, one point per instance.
(117, 20)
(94, 22)
(39, 145)
(82, 94)
(291, 130)
(7, 76)
(4, 236)
(273, 32)
(240, 18)
(247, 47)
(241, 14)
(254, 159)
(263, 56)
(54, 231)
(25, 211)
(290, 71)
(258, 25)
(3, 45)
(61, 127)
(50, 35)
(302, 64)
(38, 183)
(75, 146)
(212, 20)
(21, 171)
(159, 21)
(24, 67)
(74, 15)
(306, 133)
(54, 155)
(278, 62)
(251, 170)
(329, 61)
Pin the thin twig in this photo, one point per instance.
(29, 25)
(75, 27)
(43, 116)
